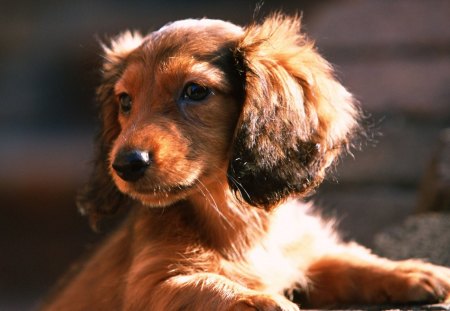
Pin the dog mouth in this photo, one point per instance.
(161, 195)
(152, 186)
(169, 190)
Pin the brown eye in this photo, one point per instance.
(125, 103)
(195, 92)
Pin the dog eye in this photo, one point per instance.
(125, 103)
(195, 92)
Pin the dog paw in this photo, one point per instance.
(415, 281)
(264, 302)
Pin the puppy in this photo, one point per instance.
(212, 134)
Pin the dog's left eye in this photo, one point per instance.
(195, 92)
(125, 102)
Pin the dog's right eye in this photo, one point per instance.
(195, 92)
(125, 103)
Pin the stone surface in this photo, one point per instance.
(435, 190)
(398, 153)
(382, 22)
(422, 236)
(419, 88)
(362, 211)
(393, 55)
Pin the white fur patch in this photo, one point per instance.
(202, 23)
(277, 271)
(121, 46)
(295, 239)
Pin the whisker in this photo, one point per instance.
(213, 202)
(238, 185)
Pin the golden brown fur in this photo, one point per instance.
(215, 223)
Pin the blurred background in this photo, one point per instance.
(393, 55)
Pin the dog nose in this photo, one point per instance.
(130, 165)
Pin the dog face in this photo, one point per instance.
(205, 101)
(177, 110)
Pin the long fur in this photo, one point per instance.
(216, 221)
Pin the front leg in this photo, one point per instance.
(358, 277)
(207, 291)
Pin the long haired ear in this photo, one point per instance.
(100, 196)
(295, 119)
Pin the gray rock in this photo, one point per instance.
(435, 190)
(424, 236)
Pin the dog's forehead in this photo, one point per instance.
(205, 24)
(183, 41)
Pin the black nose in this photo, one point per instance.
(130, 165)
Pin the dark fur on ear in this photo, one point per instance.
(100, 196)
(295, 120)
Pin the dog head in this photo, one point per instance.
(205, 101)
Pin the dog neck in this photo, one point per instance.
(213, 217)
(225, 223)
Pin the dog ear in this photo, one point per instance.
(100, 196)
(295, 119)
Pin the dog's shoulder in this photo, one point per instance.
(297, 236)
